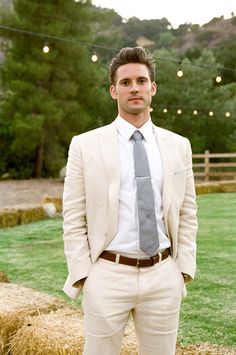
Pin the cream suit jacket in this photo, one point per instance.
(91, 198)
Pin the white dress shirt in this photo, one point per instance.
(126, 240)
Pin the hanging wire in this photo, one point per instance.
(47, 37)
(56, 38)
(91, 45)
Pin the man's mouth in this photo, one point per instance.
(135, 98)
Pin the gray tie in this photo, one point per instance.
(148, 233)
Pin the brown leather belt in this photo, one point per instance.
(135, 262)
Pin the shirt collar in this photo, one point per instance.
(126, 129)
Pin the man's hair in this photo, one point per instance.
(129, 55)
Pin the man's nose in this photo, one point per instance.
(134, 88)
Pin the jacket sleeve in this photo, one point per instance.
(188, 221)
(76, 245)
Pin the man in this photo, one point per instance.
(130, 219)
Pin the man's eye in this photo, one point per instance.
(125, 83)
(142, 81)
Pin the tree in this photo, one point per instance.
(106, 28)
(46, 95)
(226, 56)
(151, 29)
(194, 91)
(165, 40)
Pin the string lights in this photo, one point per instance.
(94, 58)
(187, 110)
(90, 45)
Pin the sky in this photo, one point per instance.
(176, 11)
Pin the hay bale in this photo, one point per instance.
(227, 186)
(207, 187)
(31, 214)
(16, 304)
(214, 187)
(10, 217)
(3, 277)
(60, 333)
(57, 333)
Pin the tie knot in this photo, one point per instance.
(137, 136)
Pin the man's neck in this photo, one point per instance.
(136, 120)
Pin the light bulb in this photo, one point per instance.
(151, 109)
(195, 112)
(46, 48)
(165, 110)
(211, 113)
(180, 73)
(94, 57)
(227, 114)
(179, 111)
(218, 78)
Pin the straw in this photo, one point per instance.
(57, 333)
(18, 302)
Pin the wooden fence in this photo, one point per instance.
(214, 166)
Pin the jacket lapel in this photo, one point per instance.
(108, 140)
(167, 156)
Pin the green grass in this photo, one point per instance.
(33, 256)
(208, 312)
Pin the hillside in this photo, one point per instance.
(157, 33)
(209, 35)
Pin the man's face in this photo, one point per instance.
(133, 89)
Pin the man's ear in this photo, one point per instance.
(113, 92)
(154, 88)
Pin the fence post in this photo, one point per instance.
(206, 162)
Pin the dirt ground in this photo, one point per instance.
(19, 193)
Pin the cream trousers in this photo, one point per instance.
(152, 295)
